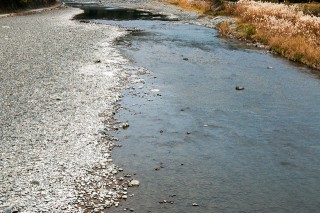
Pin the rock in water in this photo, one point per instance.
(239, 88)
(134, 183)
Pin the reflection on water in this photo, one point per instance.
(198, 140)
(111, 13)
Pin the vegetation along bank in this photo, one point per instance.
(290, 29)
(7, 6)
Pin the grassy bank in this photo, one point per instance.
(7, 6)
(284, 28)
(198, 5)
(288, 30)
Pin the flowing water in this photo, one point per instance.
(194, 138)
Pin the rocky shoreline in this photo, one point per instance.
(60, 82)
(60, 86)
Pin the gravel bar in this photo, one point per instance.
(60, 86)
(60, 83)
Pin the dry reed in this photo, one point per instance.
(200, 5)
(285, 28)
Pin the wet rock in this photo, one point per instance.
(239, 88)
(125, 125)
(134, 183)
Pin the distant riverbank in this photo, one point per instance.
(20, 5)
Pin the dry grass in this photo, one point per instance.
(285, 28)
(199, 5)
(310, 8)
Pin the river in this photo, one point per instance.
(198, 144)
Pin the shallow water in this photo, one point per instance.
(198, 140)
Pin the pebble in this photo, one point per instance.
(195, 204)
(239, 88)
(134, 183)
(154, 90)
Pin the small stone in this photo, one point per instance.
(124, 196)
(35, 182)
(125, 125)
(97, 61)
(270, 67)
(7, 210)
(195, 204)
(239, 88)
(185, 59)
(134, 183)
(131, 210)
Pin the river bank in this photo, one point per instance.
(60, 82)
(288, 30)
